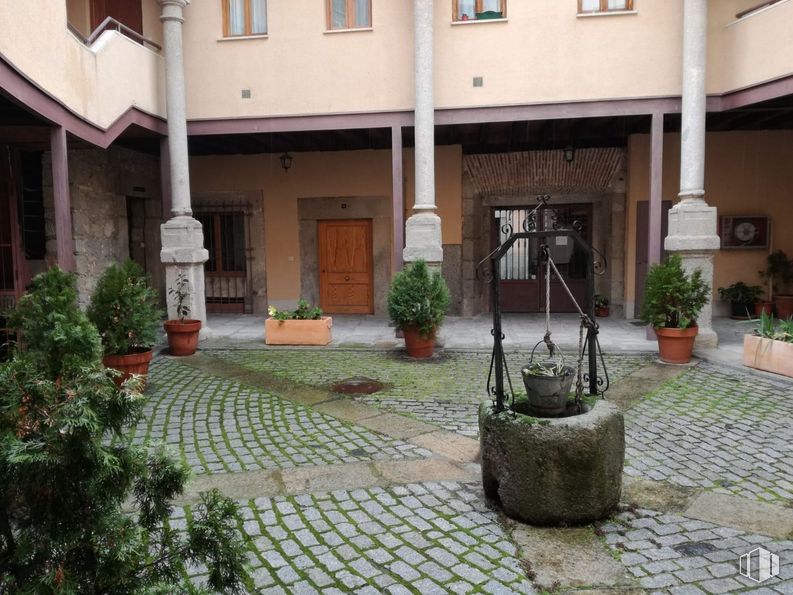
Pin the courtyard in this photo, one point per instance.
(381, 493)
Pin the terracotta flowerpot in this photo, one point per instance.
(132, 363)
(675, 345)
(182, 336)
(602, 312)
(298, 332)
(768, 354)
(784, 306)
(760, 307)
(419, 345)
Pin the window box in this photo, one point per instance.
(298, 332)
(489, 14)
(768, 355)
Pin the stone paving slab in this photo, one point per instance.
(434, 537)
(674, 554)
(716, 428)
(444, 391)
(217, 425)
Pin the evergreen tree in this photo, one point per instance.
(65, 471)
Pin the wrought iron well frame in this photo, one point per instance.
(498, 364)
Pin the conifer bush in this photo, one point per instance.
(66, 471)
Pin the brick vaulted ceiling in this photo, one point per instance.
(544, 172)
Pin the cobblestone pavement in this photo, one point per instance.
(672, 554)
(444, 391)
(716, 428)
(219, 426)
(417, 538)
(712, 428)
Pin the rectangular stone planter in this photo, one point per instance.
(298, 332)
(767, 354)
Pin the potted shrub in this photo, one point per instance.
(601, 306)
(770, 346)
(417, 304)
(742, 298)
(305, 325)
(125, 311)
(672, 301)
(779, 271)
(182, 332)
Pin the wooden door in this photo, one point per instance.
(128, 12)
(345, 266)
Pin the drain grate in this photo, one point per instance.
(358, 385)
(694, 548)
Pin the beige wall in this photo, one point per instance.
(98, 83)
(752, 50)
(315, 175)
(747, 173)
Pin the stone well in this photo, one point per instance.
(553, 471)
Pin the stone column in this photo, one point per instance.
(423, 227)
(692, 223)
(62, 200)
(182, 236)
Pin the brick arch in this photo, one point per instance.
(544, 172)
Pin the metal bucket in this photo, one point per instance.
(548, 395)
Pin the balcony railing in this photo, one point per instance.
(755, 8)
(112, 24)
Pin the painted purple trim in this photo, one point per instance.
(32, 97)
(655, 210)
(398, 199)
(61, 198)
(299, 123)
(758, 93)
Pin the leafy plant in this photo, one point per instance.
(741, 293)
(125, 310)
(180, 292)
(672, 298)
(779, 271)
(545, 369)
(771, 328)
(80, 510)
(418, 298)
(601, 301)
(304, 311)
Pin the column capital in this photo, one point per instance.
(172, 10)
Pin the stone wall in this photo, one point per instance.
(100, 182)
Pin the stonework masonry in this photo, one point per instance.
(102, 183)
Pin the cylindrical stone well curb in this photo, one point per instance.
(553, 471)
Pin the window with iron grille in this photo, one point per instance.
(224, 239)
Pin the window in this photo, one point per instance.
(476, 10)
(349, 14)
(585, 6)
(224, 239)
(244, 17)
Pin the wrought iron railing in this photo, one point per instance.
(112, 24)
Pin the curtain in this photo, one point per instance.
(236, 17)
(466, 7)
(363, 18)
(618, 4)
(590, 5)
(338, 14)
(491, 5)
(258, 16)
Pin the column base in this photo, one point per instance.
(692, 234)
(183, 251)
(423, 238)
